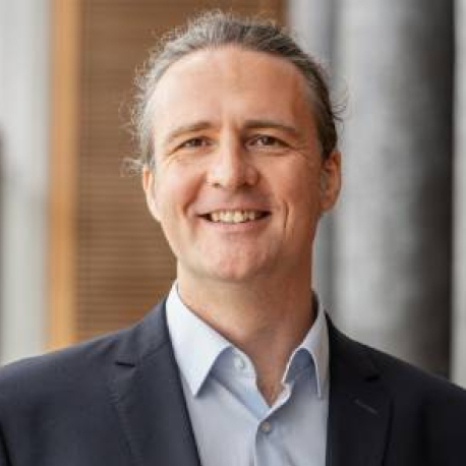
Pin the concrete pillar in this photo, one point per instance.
(459, 256)
(313, 23)
(24, 128)
(394, 222)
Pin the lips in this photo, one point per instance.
(235, 216)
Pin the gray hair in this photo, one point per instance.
(216, 29)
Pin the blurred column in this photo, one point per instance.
(23, 125)
(394, 222)
(459, 256)
(313, 23)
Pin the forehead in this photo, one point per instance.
(230, 81)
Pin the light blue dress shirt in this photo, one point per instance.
(232, 423)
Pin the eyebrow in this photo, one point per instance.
(262, 124)
(189, 128)
(250, 124)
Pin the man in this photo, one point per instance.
(239, 365)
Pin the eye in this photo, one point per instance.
(267, 144)
(267, 141)
(194, 142)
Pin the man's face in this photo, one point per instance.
(239, 183)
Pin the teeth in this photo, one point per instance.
(233, 216)
(238, 217)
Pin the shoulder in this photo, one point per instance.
(413, 381)
(400, 379)
(425, 413)
(425, 407)
(45, 375)
(81, 368)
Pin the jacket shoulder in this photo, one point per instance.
(398, 376)
(427, 413)
(416, 382)
(82, 366)
(418, 398)
(57, 369)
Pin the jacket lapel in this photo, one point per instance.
(359, 408)
(147, 392)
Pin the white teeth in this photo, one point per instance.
(233, 216)
(238, 217)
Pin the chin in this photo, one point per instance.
(236, 272)
(234, 278)
(230, 275)
(227, 267)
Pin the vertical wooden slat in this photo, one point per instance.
(65, 46)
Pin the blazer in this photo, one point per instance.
(118, 401)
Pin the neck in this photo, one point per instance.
(266, 320)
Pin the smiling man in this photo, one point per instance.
(239, 365)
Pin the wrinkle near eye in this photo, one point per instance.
(306, 153)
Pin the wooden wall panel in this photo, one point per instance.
(123, 264)
(64, 137)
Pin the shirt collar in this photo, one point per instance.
(314, 349)
(197, 346)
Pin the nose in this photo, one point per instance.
(230, 167)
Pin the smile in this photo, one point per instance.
(235, 216)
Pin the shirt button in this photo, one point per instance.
(266, 427)
(239, 363)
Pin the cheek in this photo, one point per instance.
(306, 209)
(175, 190)
(302, 189)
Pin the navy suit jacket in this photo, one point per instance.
(118, 401)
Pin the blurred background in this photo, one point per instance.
(79, 253)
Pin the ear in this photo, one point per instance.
(148, 184)
(330, 181)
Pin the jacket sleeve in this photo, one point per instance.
(4, 461)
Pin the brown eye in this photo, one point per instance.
(268, 144)
(194, 142)
(265, 140)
